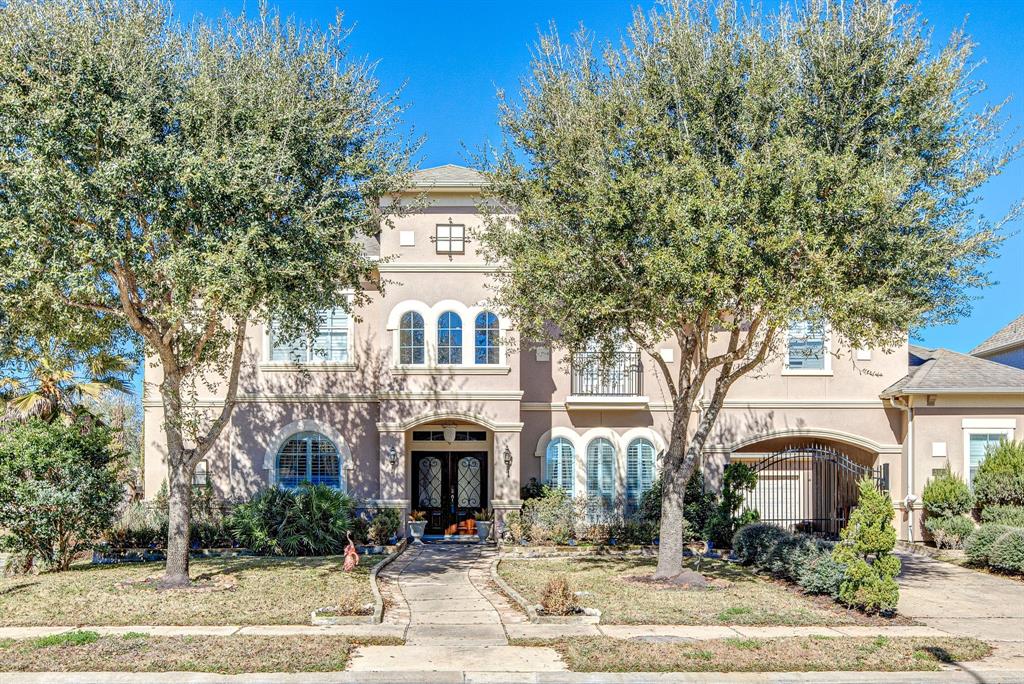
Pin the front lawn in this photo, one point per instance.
(794, 654)
(741, 597)
(89, 652)
(230, 591)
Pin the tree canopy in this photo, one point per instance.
(718, 174)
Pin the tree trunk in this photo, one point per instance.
(675, 473)
(179, 518)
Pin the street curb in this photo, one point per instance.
(591, 616)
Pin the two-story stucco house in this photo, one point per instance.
(422, 405)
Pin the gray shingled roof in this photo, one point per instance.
(941, 371)
(1009, 336)
(370, 243)
(447, 176)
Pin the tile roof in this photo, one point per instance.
(1009, 336)
(448, 176)
(941, 371)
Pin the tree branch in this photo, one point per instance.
(204, 444)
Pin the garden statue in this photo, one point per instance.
(351, 555)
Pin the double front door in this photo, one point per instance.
(449, 486)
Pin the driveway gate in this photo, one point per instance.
(810, 489)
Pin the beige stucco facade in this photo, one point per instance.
(370, 404)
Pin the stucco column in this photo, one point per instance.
(505, 496)
(394, 492)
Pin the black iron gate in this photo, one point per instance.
(810, 489)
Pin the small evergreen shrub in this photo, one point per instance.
(729, 516)
(552, 517)
(869, 582)
(1004, 515)
(1007, 552)
(950, 532)
(1000, 477)
(753, 542)
(946, 496)
(311, 521)
(558, 598)
(821, 574)
(383, 526)
(979, 544)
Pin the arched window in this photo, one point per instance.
(486, 339)
(601, 470)
(411, 342)
(559, 464)
(449, 339)
(639, 470)
(308, 457)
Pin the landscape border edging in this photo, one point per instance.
(377, 616)
(591, 616)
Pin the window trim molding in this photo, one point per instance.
(826, 349)
(982, 426)
(267, 364)
(431, 315)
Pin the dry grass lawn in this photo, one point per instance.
(88, 652)
(248, 591)
(800, 654)
(746, 600)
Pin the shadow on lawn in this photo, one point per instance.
(710, 568)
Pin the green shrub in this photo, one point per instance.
(139, 526)
(58, 491)
(698, 506)
(1004, 515)
(384, 526)
(869, 582)
(728, 515)
(951, 532)
(634, 530)
(552, 517)
(821, 574)
(1008, 551)
(946, 496)
(752, 542)
(979, 544)
(1000, 477)
(311, 521)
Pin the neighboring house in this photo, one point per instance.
(423, 404)
(1005, 346)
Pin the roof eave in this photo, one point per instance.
(999, 349)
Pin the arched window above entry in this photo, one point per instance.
(308, 457)
(601, 470)
(640, 469)
(449, 339)
(486, 347)
(411, 340)
(559, 464)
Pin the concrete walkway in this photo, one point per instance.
(968, 603)
(450, 623)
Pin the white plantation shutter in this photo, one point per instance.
(601, 469)
(558, 464)
(639, 468)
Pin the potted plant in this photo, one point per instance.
(417, 525)
(483, 524)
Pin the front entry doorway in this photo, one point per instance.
(449, 486)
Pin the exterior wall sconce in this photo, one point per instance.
(392, 456)
(506, 458)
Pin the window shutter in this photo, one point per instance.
(600, 468)
(558, 464)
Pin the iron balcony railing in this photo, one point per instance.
(620, 375)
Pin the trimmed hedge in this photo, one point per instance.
(979, 545)
(949, 532)
(1000, 477)
(1007, 552)
(798, 558)
(1004, 515)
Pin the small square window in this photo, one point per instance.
(450, 239)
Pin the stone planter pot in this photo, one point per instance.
(416, 529)
(483, 529)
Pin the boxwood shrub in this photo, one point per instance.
(1004, 515)
(1000, 477)
(1007, 552)
(979, 545)
(798, 558)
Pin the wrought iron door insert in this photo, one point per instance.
(450, 486)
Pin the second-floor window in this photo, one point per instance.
(450, 239)
(806, 347)
(329, 345)
(449, 339)
(411, 342)
(486, 339)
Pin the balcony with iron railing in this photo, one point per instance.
(606, 381)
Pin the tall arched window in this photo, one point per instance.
(486, 339)
(308, 457)
(411, 342)
(449, 339)
(601, 470)
(559, 465)
(639, 470)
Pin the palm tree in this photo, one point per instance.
(48, 380)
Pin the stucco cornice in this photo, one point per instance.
(437, 267)
(461, 416)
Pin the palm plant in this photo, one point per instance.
(49, 379)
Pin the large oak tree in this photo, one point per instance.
(716, 175)
(181, 183)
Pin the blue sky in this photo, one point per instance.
(452, 55)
